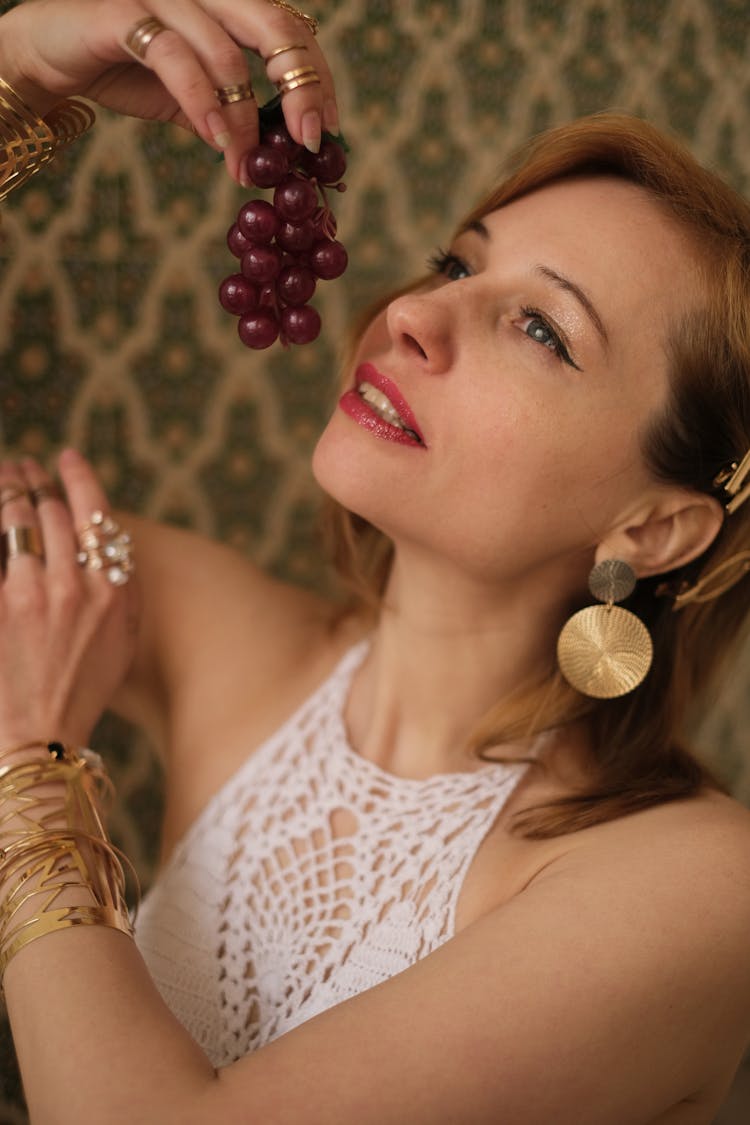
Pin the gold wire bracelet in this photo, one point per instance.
(43, 862)
(28, 142)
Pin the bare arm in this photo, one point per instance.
(615, 986)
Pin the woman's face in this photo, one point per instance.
(527, 366)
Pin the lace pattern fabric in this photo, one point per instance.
(310, 877)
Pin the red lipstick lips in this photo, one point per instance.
(352, 403)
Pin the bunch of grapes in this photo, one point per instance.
(287, 246)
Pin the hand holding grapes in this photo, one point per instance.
(51, 49)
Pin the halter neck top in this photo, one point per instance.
(310, 876)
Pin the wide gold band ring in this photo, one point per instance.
(142, 34)
(20, 540)
(227, 95)
(310, 22)
(283, 50)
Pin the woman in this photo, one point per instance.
(361, 919)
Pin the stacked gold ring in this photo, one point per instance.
(21, 540)
(142, 34)
(227, 95)
(283, 50)
(300, 76)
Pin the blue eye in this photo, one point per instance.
(451, 267)
(539, 329)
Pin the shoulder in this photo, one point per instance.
(215, 630)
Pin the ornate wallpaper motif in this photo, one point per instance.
(112, 338)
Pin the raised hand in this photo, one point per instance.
(191, 49)
(67, 626)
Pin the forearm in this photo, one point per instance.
(61, 907)
(12, 69)
(95, 1041)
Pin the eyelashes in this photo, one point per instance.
(542, 332)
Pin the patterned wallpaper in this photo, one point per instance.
(111, 336)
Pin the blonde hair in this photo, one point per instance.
(638, 756)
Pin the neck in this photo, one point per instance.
(446, 649)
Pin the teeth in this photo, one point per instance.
(380, 404)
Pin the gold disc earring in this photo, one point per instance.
(605, 650)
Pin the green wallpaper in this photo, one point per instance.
(111, 336)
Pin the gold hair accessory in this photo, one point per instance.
(300, 76)
(142, 34)
(605, 651)
(104, 546)
(712, 585)
(227, 95)
(17, 540)
(28, 142)
(283, 50)
(44, 867)
(309, 21)
(732, 480)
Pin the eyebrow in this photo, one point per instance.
(562, 282)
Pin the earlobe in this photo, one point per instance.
(669, 536)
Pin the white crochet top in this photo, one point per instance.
(312, 875)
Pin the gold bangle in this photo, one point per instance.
(28, 142)
(43, 863)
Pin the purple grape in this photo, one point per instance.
(259, 330)
(328, 165)
(236, 241)
(300, 324)
(278, 137)
(296, 237)
(295, 285)
(328, 259)
(258, 221)
(295, 199)
(261, 263)
(238, 295)
(266, 166)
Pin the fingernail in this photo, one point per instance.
(244, 177)
(331, 118)
(217, 127)
(311, 130)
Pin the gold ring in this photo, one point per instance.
(309, 21)
(49, 491)
(227, 95)
(141, 35)
(300, 76)
(12, 493)
(18, 540)
(282, 50)
(287, 87)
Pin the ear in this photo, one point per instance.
(670, 534)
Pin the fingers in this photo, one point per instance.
(197, 49)
(22, 543)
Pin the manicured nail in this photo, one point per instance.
(217, 127)
(311, 130)
(331, 119)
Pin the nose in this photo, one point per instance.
(420, 326)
